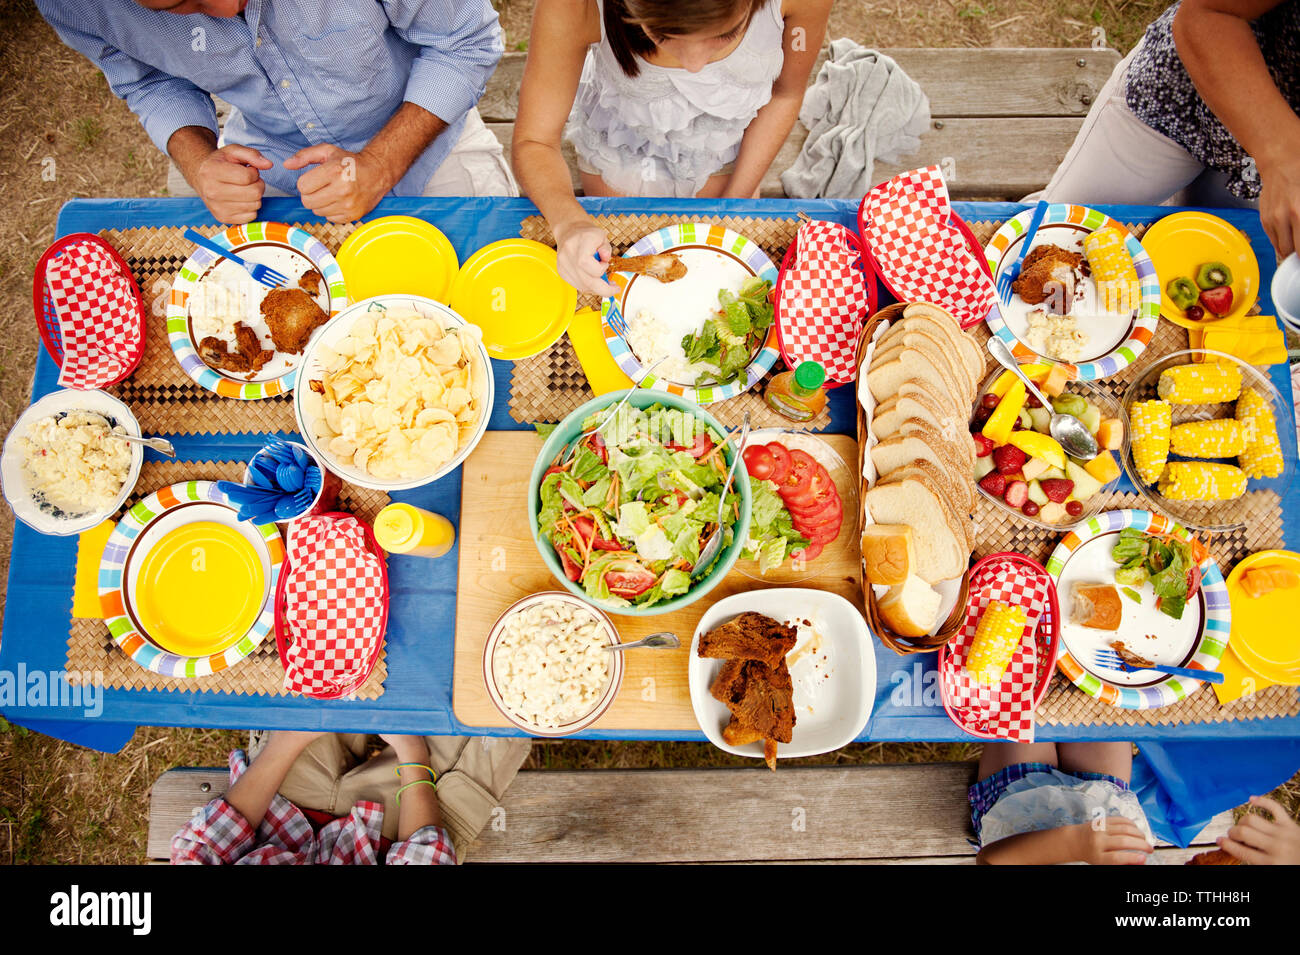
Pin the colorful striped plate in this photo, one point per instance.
(747, 254)
(140, 529)
(1198, 640)
(285, 248)
(1066, 225)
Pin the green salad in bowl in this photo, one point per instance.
(622, 515)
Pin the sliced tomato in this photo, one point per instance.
(822, 533)
(629, 583)
(571, 570)
(829, 511)
(702, 445)
(818, 488)
(802, 468)
(586, 527)
(1193, 580)
(781, 459)
(598, 442)
(759, 462)
(553, 469)
(809, 553)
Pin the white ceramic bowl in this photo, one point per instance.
(612, 685)
(44, 517)
(834, 685)
(334, 331)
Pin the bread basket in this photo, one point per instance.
(899, 643)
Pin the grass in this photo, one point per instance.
(63, 804)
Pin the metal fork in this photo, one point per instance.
(1110, 660)
(1012, 271)
(260, 273)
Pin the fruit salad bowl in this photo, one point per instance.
(1022, 469)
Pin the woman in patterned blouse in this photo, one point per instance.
(1211, 95)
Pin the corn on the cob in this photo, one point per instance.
(1149, 428)
(1262, 457)
(1112, 269)
(1200, 481)
(1207, 384)
(1000, 630)
(1219, 438)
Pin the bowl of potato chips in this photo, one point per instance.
(394, 392)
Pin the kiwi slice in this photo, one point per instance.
(1213, 274)
(1183, 292)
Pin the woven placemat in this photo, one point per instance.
(91, 649)
(163, 397)
(550, 385)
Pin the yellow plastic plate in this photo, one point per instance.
(1270, 648)
(512, 291)
(1180, 243)
(398, 254)
(200, 588)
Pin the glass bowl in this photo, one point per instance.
(1211, 515)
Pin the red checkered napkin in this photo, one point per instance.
(1005, 711)
(98, 315)
(921, 254)
(335, 607)
(823, 301)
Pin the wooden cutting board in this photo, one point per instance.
(499, 564)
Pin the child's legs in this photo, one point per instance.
(998, 756)
(313, 781)
(1113, 759)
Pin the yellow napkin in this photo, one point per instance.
(1255, 339)
(85, 589)
(1237, 680)
(603, 373)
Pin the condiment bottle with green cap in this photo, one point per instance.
(798, 394)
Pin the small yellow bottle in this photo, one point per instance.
(403, 529)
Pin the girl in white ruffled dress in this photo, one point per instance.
(657, 98)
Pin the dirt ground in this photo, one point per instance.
(63, 135)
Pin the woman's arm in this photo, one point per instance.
(1219, 50)
(562, 31)
(805, 28)
(1118, 842)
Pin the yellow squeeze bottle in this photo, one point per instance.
(403, 529)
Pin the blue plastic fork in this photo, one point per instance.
(260, 273)
(1110, 660)
(1012, 271)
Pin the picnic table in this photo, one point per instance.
(417, 695)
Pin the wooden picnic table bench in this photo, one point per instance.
(882, 814)
(1002, 120)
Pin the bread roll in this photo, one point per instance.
(888, 553)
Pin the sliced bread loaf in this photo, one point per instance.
(941, 548)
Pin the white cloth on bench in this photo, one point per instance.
(862, 107)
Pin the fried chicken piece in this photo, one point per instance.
(1213, 857)
(1048, 274)
(760, 699)
(248, 357)
(292, 315)
(735, 734)
(749, 636)
(310, 281)
(665, 266)
(729, 686)
(1129, 657)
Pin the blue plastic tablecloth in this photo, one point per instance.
(417, 696)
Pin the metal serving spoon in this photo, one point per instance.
(1068, 431)
(656, 641)
(714, 543)
(161, 445)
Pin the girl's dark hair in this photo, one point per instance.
(626, 23)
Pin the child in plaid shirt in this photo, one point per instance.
(384, 810)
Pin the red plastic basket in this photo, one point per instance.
(1047, 638)
(281, 628)
(787, 262)
(972, 243)
(47, 322)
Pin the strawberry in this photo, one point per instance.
(1009, 459)
(1017, 493)
(1217, 300)
(1057, 489)
(994, 483)
(983, 445)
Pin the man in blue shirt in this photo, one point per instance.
(340, 103)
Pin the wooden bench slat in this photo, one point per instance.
(959, 82)
(176, 794)
(982, 158)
